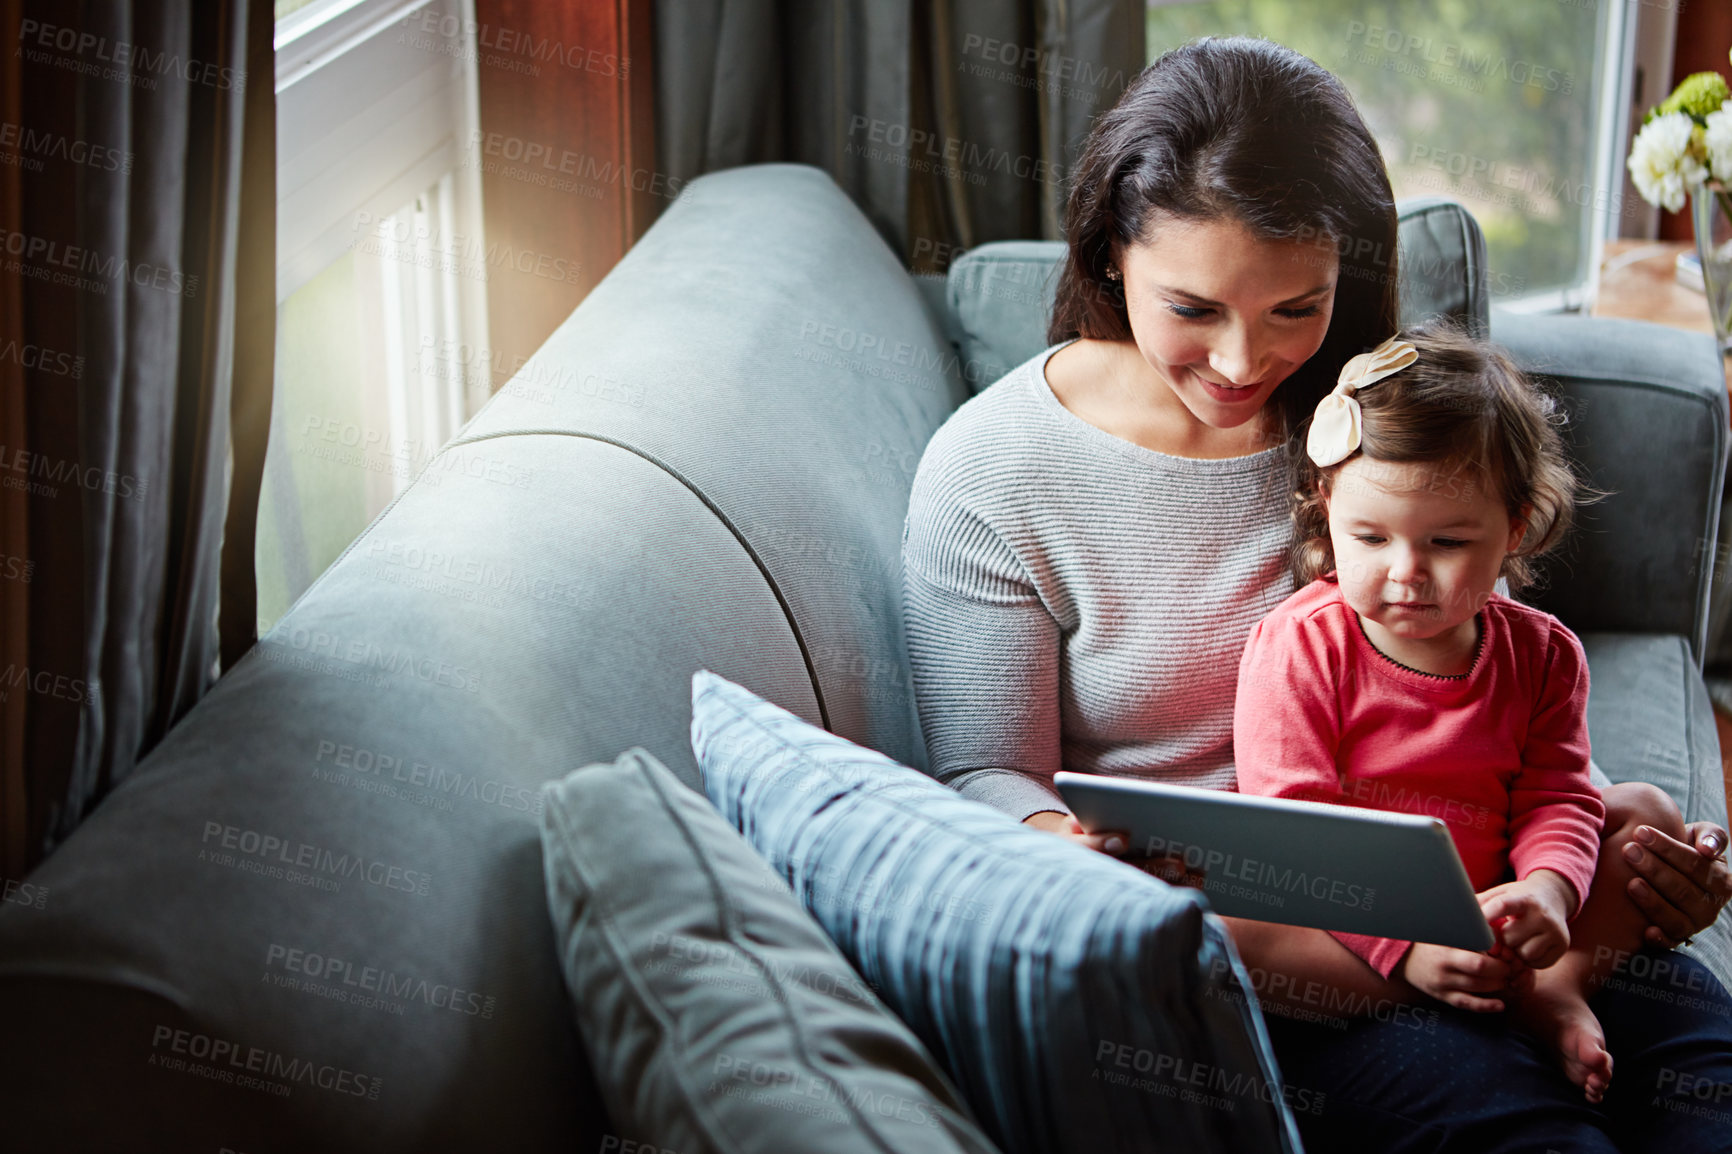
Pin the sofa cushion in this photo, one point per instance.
(1001, 294)
(1650, 719)
(716, 1013)
(1080, 1004)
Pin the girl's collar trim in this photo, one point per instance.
(1478, 648)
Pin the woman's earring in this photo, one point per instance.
(1112, 274)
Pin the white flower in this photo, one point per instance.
(1717, 140)
(1661, 162)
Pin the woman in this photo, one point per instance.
(1090, 540)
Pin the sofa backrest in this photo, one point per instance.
(999, 296)
(764, 348)
(1647, 424)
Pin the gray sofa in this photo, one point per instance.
(334, 862)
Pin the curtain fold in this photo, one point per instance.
(14, 505)
(138, 196)
(749, 81)
(949, 122)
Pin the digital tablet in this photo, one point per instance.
(1360, 871)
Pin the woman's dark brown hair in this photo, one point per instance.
(1249, 131)
(1466, 409)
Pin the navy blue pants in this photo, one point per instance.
(1443, 1080)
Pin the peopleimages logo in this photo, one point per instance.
(40, 681)
(363, 762)
(24, 463)
(1309, 1000)
(363, 655)
(1039, 68)
(310, 971)
(810, 1095)
(1480, 66)
(295, 861)
(36, 144)
(229, 1059)
(948, 155)
(138, 63)
(1261, 880)
(1189, 1080)
(21, 893)
(44, 258)
(502, 42)
(43, 359)
(682, 950)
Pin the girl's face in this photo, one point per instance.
(1418, 546)
(1223, 315)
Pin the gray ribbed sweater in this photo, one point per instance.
(1076, 601)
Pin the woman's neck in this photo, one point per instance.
(1110, 385)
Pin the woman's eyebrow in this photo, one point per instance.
(1202, 300)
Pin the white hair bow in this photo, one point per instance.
(1335, 429)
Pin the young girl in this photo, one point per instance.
(1397, 678)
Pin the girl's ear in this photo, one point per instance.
(1518, 528)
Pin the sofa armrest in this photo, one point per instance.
(1650, 720)
(1648, 417)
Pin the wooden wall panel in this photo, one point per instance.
(567, 157)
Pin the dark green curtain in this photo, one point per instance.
(950, 122)
(144, 166)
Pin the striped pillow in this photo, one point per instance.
(1078, 1003)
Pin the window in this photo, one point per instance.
(380, 279)
(1504, 107)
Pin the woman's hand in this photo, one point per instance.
(1684, 884)
(1066, 826)
(1460, 978)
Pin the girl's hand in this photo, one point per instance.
(1687, 883)
(1534, 915)
(1460, 978)
(1066, 826)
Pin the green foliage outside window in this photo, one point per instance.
(1488, 104)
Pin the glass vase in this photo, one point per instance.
(1711, 216)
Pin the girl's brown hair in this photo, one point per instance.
(1464, 407)
(1249, 131)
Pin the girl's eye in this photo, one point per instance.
(1448, 542)
(1188, 312)
(1369, 538)
(1300, 314)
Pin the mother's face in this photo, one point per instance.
(1223, 315)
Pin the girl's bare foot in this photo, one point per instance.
(1557, 1014)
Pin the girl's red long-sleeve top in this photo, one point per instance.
(1500, 754)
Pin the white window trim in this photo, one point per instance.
(377, 158)
(389, 125)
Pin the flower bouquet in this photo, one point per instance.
(1685, 147)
